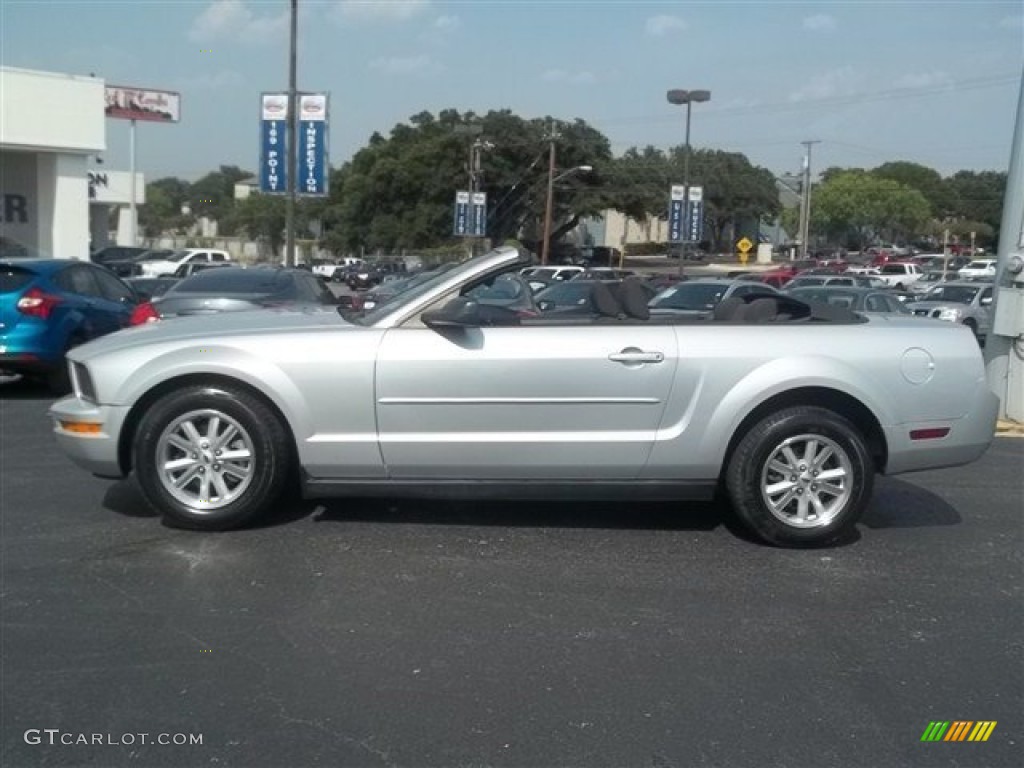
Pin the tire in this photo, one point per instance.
(775, 517)
(900, 287)
(218, 493)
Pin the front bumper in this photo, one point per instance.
(95, 452)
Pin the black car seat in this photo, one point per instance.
(726, 310)
(633, 297)
(604, 302)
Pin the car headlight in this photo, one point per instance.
(949, 314)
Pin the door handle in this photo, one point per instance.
(632, 355)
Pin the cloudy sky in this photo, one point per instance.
(931, 81)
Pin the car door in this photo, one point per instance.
(81, 281)
(527, 402)
(117, 300)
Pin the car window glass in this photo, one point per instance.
(987, 293)
(111, 287)
(217, 256)
(875, 303)
(78, 280)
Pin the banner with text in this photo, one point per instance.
(695, 215)
(677, 199)
(273, 133)
(460, 224)
(313, 162)
(479, 228)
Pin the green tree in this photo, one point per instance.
(398, 191)
(978, 197)
(263, 218)
(213, 196)
(857, 207)
(925, 180)
(162, 210)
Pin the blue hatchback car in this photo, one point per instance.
(48, 306)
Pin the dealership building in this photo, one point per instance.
(55, 200)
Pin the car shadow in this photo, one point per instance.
(901, 504)
(896, 504)
(21, 388)
(699, 516)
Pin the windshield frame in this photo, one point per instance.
(400, 308)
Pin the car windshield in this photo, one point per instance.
(418, 286)
(893, 269)
(802, 281)
(690, 296)
(954, 294)
(175, 256)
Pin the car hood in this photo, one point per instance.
(209, 328)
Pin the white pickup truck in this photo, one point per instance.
(332, 270)
(900, 275)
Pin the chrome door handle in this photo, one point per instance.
(634, 356)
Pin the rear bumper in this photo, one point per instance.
(96, 453)
(968, 439)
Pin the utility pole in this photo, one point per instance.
(473, 131)
(292, 140)
(551, 193)
(805, 201)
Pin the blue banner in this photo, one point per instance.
(695, 215)
(460, 225)
(313, 162)
(273, 155)
(677, 198)
(479, 228)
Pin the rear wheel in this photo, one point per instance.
(800, 477)
(211, 457)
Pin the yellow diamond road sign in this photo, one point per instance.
(744, 245)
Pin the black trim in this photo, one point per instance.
(587, 490)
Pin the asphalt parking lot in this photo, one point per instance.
(371, 633)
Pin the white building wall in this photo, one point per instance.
(50, 111)
(63, 190)
(19, 219)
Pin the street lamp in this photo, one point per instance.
(678, 96)
(550, 199)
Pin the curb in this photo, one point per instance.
(1006, 427)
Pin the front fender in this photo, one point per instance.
(225, 361)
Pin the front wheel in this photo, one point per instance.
(800, 477)
(211, 457)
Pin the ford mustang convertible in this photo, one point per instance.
(788, 408)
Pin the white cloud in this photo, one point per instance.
(211, 81)
(820, 22)
(1013, 22)
(420, 66)
(924, 80)
(379, 10)
(659, 26)
(561, 76)
(447, 22)
(834, 83)
(234, 20)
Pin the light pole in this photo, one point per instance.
(292, 137)
(550, 199)
(678, 96)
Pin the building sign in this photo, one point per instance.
(695, 215)
(677, 197)
(460, 226)
(143, 104)
(115, 187)
(313, 143)
(479, 217)
(273, 158)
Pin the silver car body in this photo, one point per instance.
(977, 312)
(396, 403)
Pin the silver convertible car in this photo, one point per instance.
(787, 407)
